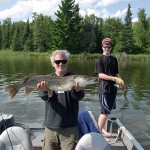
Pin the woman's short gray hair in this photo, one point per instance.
(59, 52)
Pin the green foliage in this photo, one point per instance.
(66, 32)
(6, 33)
(91, 33)
(17, 39)
(0, 36)
(42, 32)
(76, 34)
(127, 41)
(112, 28)
(28, 38)
(117, 48)
(141, 33)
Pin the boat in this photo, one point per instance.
(29, 136)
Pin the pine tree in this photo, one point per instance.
(42, 32)
(142, 30)
(6, 33)
(16, 44)
(112, 28)
(0, 36)
(92, 33)
(28, 38)
(127, 41)
(67, 27)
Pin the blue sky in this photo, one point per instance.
(19, 10)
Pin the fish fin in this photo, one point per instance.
(12, 90)
(28, 90)
(50, 93)
(59, 86)
(24, 79)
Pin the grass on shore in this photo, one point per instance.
(8, 53)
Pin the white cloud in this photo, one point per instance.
(17, 11)
(2, 1)
(86, 2)
(106, 2)
(93, 11)
(82, 12)
(109, 2)
(47, 8)
(23, 9)
(120, 13)
(134, 20)
(105, 13)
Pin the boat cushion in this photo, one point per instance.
(93, 141)
(19, 138)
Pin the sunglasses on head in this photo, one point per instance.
(107, 47)
(60, 61)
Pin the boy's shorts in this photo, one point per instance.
(107, 102)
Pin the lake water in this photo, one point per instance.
(133, 107)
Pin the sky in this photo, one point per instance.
(21, 10)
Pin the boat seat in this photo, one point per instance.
(92, 141)
(19, 138)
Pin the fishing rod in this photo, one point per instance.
(3, 120)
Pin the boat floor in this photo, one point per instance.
(116, 144)
(37, 136)
(121, 138)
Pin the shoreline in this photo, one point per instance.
(128, 57)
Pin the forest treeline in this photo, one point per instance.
(76, 34)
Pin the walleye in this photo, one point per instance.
(54, 83)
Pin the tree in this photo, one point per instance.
(6, 34)
(148, 33)
(91, 33)
(28, 37)
(42, 29)
(0, 36)
(127, 42)
(16, 40)
(88, 38)
(141, 31)
(112, 28)
(67, 27)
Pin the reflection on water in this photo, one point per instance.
(133, 107)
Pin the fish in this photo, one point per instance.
(54, 83)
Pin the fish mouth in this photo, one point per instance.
(94, 79)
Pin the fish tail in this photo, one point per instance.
(12, 89)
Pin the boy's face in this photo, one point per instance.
(106, 49)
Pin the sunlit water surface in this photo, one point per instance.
(133, 107)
